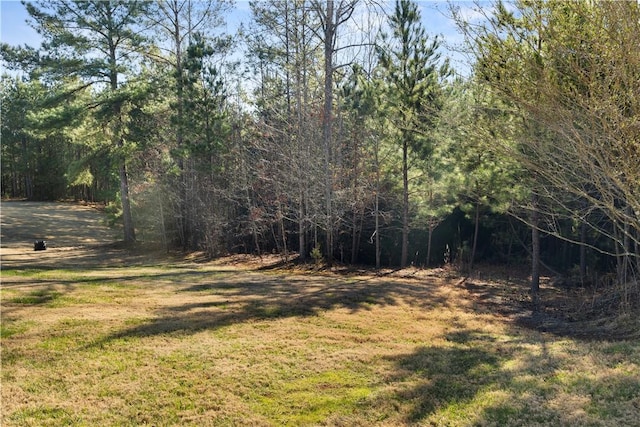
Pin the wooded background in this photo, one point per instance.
(340, 130)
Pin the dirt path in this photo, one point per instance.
(75, 235)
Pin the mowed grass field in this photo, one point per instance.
(177, 343)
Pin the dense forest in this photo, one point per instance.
(338, 130)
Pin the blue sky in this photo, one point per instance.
(15, 31)
(13, 28)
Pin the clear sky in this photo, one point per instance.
(15, 31)
(13, 28)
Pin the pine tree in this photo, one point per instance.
(96, 41)
(413, 72)
(568, 69)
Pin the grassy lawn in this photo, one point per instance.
(203, 345)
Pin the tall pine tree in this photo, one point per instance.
(413, 73)
(98, 42)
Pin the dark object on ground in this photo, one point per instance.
(40, 245)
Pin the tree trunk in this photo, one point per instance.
(583, 253)
(626, 244)
(354, 238)
(359, 230)
(356, 204)
(127, 218)
(276, 240)
(619, 250)
(302, 101)
(327, 124)
(162, 223)
(535, 253)
(185, 219)
(429, 236)
(636, 245)
(475, 236)
(302, 245)
(377, 207)
(283, 233)
(405, 204)
(129, 230)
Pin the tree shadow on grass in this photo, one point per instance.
(42, 296)
(512, 302)
(449, 382)
(246, 297)
(444, 376)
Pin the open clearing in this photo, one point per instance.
(95, 335)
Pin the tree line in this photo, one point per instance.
(340, 131)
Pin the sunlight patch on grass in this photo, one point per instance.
(312, 398)
(102, 293)
(67, 295)
(486, 407)
(9, 328)
(57, 274)
(30, 273)
(44, 415)
(68, 335)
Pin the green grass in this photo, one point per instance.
(36, 297)
(9, 328)
(187, 345)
